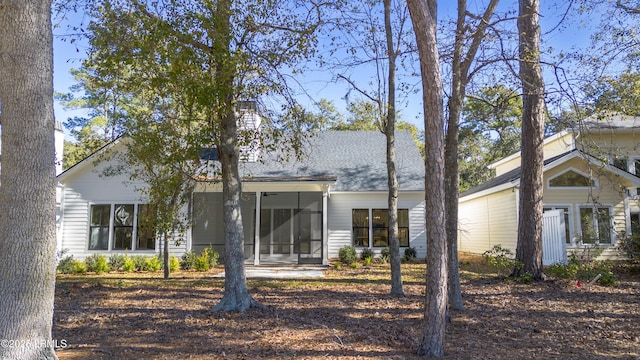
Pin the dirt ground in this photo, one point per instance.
(346, 315)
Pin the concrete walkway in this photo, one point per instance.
(283, 272)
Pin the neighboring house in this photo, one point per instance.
(294, 212)
(590, 175)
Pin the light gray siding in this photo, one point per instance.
(340, 223)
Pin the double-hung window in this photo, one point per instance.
(360, 219)
(99, 227)
(596, 224)
(121, 227)
(371, 227)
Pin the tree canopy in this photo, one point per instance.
(182, 73)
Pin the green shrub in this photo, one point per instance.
(367, 261)
(630, 246)
(152, 264)
(188, 260)
(128, 265)
(97, 263)
(410, 253)
(212, 256)
(64, 265)
(354, 265)
(202, 262)
(78, 267)
(102, 265)
(502, 259)
(525, 278)
(366, 253)
(140, 262)
(116, 262)
(562, 271)
(347, 255)
(585, 270)
(385, 255)
(174, 263)
(337, 265)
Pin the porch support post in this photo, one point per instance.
(325, 226)
(627, 212)
(256, 240)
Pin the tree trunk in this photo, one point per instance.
(27, 194)
(451, 203)
(460, 69)
(392, 178)
(165, 255)
(236, 294)
(529, 248)
(451, 161)
(423, 16)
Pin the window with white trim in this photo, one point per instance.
(571, 179)
(121, 227)
(596, 225)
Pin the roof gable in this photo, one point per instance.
(355, 159)
(512, 178)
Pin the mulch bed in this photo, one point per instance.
(347, 315)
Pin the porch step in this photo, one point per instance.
(282, 272)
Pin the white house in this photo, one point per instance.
(293, 212)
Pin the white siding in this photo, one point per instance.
(86, 187)
(340, 224)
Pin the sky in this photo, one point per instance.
(319, 83)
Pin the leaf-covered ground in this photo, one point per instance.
(346, 315)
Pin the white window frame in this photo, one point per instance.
(112, 207)
(596, 183)
(569, 207)
(611, 225)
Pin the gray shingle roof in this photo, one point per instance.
(357, 160)
(609, 121)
